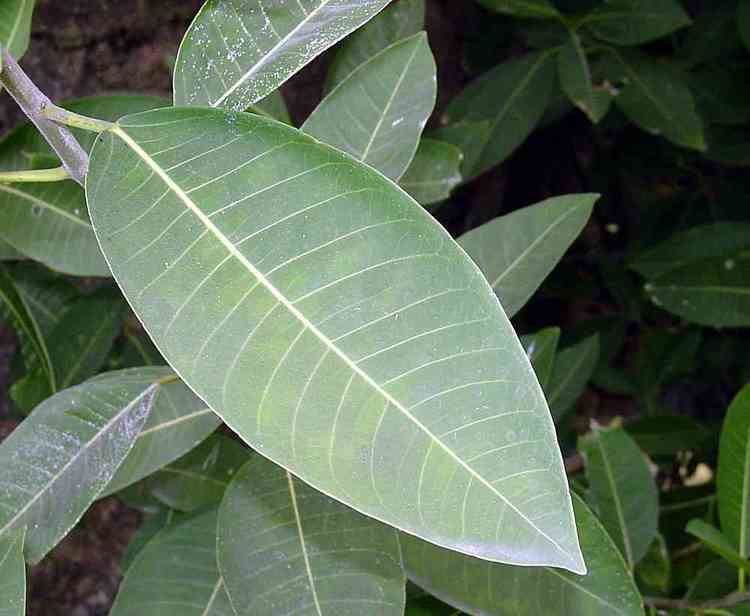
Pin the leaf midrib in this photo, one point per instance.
(234, 251)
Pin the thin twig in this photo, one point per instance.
(34, 175)
(33, 102)
(731, 600)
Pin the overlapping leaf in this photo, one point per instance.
(12, 574)
(8, 253)
(632, 22)
(176, 573)
(523, 8)
(733, 481)
(516, 252)
(236, 53)
(15, 25)
(571, 372)
(717, 542)
(285, 548)
(378, 111)
(541, 348)
(623, 491)
(478, 587)
(577, 82)
(398, 21)
(434, 172)
(178, 421)
(48, 222)
(346, 336)
(503, 106)
(66, 451)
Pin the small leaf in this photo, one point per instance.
(66, 451)
(178, 421)
(717, 542)
(434, 172)
(716, 579)
(285, 548)
(633, 22)
(200, 477)
(733, 479)
(511, 98)
(479, 587)
(398, 21)
(707, 241)
(577, 82)
(622, 490)
(236, 53)
(176, 573)
(654, 96)
(150, 526)
(369, 320)
(377, 113)
(666, 435)
(15, 25)
(516, 252)
(12, 574)
(574, 367)
(655, 569)
(541, 348)
(713, 292)
(523, 8)
(468, 137)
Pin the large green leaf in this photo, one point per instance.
(200, 477)
(733, 481)
(622, 490)
(573, 368)
(49, 222)
(713, 292)
(235, 53)
(8, 253)
(577, 82)
(396, 22)
(176, 573)
(516, 252)
(434, 172)
(178, 421)
(284, 548)
(469, 137)
(541, 348)
(523, 8)
(377, 113)
(56, 463)
(12, 574)
(346, 336)
(655, 96)
(711, 240)
(632, 22)
(15, 25)
(511, 99)
(479, 587)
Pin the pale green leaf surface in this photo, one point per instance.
(711, 240)
(541, 348)
(633, 22)
(236, 53)
(8, 253)
(717, 542)
(347, 337)
(200, 477)
(273, 106)
(178, 422)
(176, 573)
(622, 490)
(733, 480)
(478, 587)
(468, 137)
(516, 252)
(151, 525)
(378, 112)
(12, 574)
(434, 172)
(397, 21)
(284, 548)
(523, 8)
(511, 98)
(66, 451)
(657, 99)
(577, 82)
(15, 25)
(48, 222)
(713, 292)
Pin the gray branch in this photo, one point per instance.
(33, 102)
